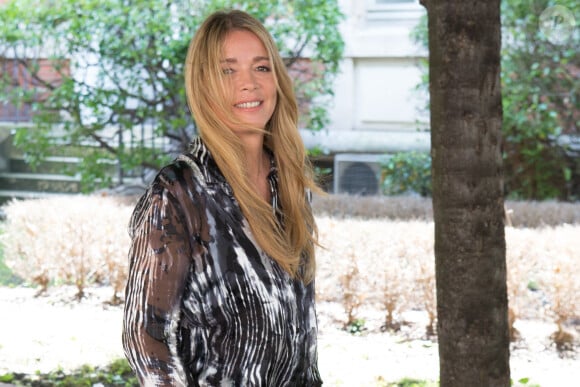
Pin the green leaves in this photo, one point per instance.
(121, 89)
(540, 89)
(539, 101)
(407, 172)
(117, 373)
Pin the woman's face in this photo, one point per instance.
(252, 85)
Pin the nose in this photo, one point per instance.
(248, 81)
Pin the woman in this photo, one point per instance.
(221, 280)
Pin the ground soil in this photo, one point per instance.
(50, 331)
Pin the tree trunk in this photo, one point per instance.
(466, 117)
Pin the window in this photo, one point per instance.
(11, 72)
(393, 10)
(388, 2)
(18, 76)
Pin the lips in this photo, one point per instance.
(248, 105)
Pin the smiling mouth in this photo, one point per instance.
(248, 105)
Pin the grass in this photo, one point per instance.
(118, 373)
(7, 277)
(409, 382)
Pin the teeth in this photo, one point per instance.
(247, 105)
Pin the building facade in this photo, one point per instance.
(377, 108)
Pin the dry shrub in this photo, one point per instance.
(395, 263)
(520, 273)
(373, 207)
(370, 262)
(395, 291)
(547, 259)
(344, 283)
(427, 285)
(521, 213)
(559, 279)
(533, 214)
(390, 257)
(77, 240)
(352, 298)
(25, 244)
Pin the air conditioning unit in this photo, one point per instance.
(358, 174)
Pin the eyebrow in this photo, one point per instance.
(256, 59)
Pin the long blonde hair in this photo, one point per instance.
(290, 242)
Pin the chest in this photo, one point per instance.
(232, 279)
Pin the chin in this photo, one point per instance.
(240, 131)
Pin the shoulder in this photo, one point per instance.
(186, 170)
(174, 185)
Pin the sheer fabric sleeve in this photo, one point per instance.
(159, 261)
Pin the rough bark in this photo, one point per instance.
(466, 117)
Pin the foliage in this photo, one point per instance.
(524, 382)
(356, 327)
(540, 86)
(7, 277)
(407, 172)
(118, 373)
(120, 64)
(409, 382)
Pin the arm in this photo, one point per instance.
(159, 260)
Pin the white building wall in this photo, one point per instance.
(376, 108)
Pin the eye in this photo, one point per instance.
(264, 69)
(228, 71)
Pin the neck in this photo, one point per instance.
(255, 157)
(257, 163)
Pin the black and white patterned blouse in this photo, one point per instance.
(205, 306)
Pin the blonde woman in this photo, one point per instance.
(221, 280)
